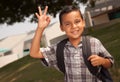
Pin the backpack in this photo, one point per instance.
(100, 72)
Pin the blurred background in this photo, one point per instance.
(17, 28)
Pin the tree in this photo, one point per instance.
(12, 11)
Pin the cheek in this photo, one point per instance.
(62, 28)
(81, 25)
(66, 30)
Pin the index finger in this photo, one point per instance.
(45, 11)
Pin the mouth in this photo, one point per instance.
(75, 32)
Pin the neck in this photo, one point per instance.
(75, 42)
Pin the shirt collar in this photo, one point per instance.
(69, 44)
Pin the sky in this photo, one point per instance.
(23, 27)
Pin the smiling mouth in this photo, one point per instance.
(75, 32)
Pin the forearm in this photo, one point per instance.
(35, 46)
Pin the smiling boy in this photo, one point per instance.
(72, 23)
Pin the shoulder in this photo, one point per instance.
(90, 37)
(94, 40)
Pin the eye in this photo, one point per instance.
(77, 21)
(67, 24)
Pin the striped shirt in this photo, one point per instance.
(76, 69)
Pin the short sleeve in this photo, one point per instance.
(49, 54)
(98, 48)
(105, 53)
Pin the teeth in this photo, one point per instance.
(75, 32)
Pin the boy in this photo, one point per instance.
(72, 23)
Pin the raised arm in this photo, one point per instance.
(43, 22)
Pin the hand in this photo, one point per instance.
(96, 60)
(43, 19)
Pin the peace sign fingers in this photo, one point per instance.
(40, 11)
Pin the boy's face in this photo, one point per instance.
(72, 24)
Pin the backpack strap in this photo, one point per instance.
(86, 49)
(60, 55)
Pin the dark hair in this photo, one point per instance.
(68, 9)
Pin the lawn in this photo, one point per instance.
(28, 69)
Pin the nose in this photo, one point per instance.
(74, 25)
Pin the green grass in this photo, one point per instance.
(28, 69)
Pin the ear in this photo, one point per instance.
(61, 27)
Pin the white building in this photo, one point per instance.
(14, 47)
(52, 34)
(17, 46)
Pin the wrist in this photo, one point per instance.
(40, 29)
(103, 61)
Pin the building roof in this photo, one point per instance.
(103, 7)
(10, 42)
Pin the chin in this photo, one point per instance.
(75, 37)
(72, 36)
